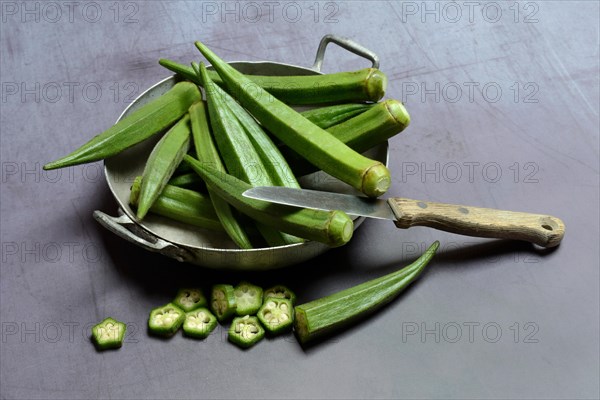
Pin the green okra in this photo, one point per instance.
(313, 143)
(149, 120)
(340, 309)
(360, 133)
(181, 205)
(275, 164)
(374, 126)
(367, 84)
(207, 152)
(189, 180)
(161, 163)
(333, 228)
(237, 151)
(324, 117)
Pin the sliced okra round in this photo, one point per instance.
(279, 292)
(248, 298)
(109, 334)
(199, 323)
(190, 299)
(222, 302)
(166, 320)
(245, 331)
(276, 315)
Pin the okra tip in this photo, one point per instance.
(134, 195)
(50, 166)
(376, 180)
(376, 84)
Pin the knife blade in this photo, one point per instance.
(543, 230)
(358, 206)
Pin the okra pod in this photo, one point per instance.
(237, 151)
(207, 152)
(313, 143)
(276, 165)
(161, 163)
(189, 180)
(360, 133)
(149, 120)
(324, 117)
(333, 228)
(181, 205)
(367, 84)
(340, 309)
(374, 126)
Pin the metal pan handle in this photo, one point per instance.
(124, 227)
(347, 44)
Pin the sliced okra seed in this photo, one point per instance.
(271, 304)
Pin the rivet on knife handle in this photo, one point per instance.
(543, 230)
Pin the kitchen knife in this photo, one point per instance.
(543, 230)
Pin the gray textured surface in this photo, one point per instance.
(61, 272)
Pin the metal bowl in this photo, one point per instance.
(187, 243)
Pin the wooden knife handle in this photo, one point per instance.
(543, 230)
